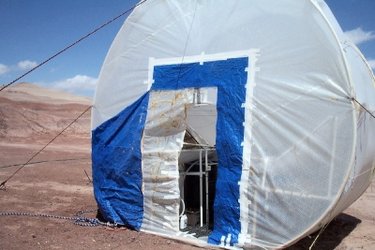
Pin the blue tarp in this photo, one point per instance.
(116, 146)
(116, 165)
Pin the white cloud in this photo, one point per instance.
(371, 63)
(358, 35)
(3, 69)
(79, 84)
(26, 64)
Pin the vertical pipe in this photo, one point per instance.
(207, 194)
(200, 189)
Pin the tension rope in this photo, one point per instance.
(363, 107)
(73, 44)
(45, 161)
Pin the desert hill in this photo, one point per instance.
(30, 116)
(31, 112)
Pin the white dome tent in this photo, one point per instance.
(250, 118)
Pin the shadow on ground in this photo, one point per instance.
(332, 236)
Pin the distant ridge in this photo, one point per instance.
(35, 93)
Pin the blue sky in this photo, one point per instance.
(33, 30)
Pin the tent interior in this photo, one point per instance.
(198, 166)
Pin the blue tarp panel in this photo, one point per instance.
(116, 165)
(117, 156)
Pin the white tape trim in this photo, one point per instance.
(150, 79)
(246, 155)
(201, 61)
(202, 58)
(222, 239)
(227, 242)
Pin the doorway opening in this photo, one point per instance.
(198, 164)
(173, 169)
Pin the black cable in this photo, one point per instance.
(72, 44)
(368, 111)
(87, 176)
(2, 185)
(39, 162)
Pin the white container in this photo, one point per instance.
(183, 221)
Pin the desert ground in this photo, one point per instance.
(58, 182)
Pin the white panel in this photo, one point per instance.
(161, 144)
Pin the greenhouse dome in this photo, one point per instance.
(244, 123)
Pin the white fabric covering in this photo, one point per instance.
(312, 146)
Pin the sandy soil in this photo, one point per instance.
(57, 184)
